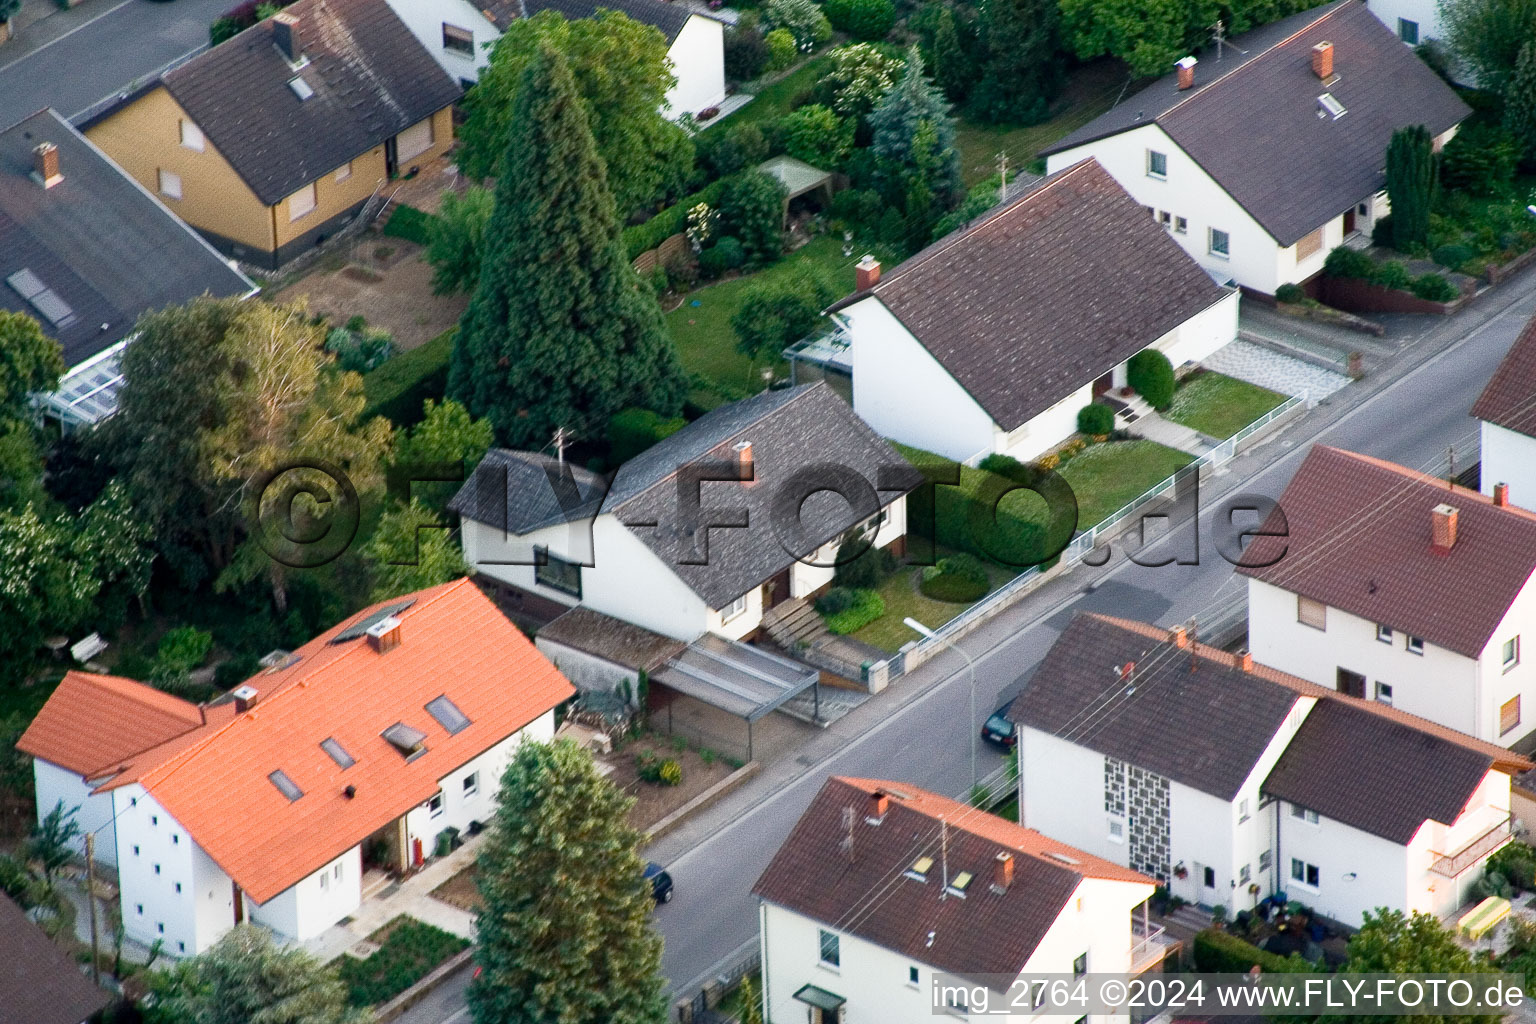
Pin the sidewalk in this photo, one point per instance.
(40, 22)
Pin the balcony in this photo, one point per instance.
(1452, 864)
(1150, 943)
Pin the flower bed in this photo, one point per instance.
(408, 951)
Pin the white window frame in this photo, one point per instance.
(1384, 634)
(822, 945)
(344, 171)
(1244, 875)
(1180, 225)
(1210, 243)
(1153, 159)
(191, 136)
(468, 48)
(1414, 645)
(435, 804)
(1116, 830)
(1263, 861)
(296, 208)
(1242, 810)
(1505, 730)
(1306, 814)
(1307, 868)
(1509, 655)
(736, 608)
(169, 184)
(471, 783)
(1384, 692)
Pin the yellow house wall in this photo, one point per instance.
(145, 136)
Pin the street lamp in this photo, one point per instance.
(970, 667)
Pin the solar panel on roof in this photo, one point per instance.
(285, 785)
(361, 627)
(447, 714)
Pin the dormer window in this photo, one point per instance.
(959, 884)
(410, 742)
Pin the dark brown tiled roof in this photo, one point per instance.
(867, 894)
(1377, 775)
(1252, 123)
(668, 17)
(1056, 289)
(1359, 540)
(41, 984)
(371, 80)
(611, 639)
(1509, 400)
(1074, 694)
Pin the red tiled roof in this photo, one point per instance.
(864, 891)
(1358, 539)
(1509, 400)
(214, 779)
(94, 723)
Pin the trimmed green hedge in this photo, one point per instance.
(960, 579)
(397, 389)
(411, 224)
(408, 954)
(648, 235)
(846, 610)
(1224, 953)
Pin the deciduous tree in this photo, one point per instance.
(447, 438)
(560, 331)
(565, 932)
(1520, 101)
(620, 67)
(1486, 36)
(1020, 72)
(456, 240)
(49, 842)
(412, 549)
(1391, 942)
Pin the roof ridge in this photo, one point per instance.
(1419, 476)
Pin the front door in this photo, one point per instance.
(1349, 222)
(1103, 384)
(1351, 684)
(776, 590)
(239, 903)
(391, 158)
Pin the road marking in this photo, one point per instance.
(460, 1012)
(66, 35)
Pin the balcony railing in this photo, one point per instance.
(1452, 864)
(1148, 944)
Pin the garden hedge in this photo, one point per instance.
(411, 224)
(397, 389)
(1220, 952)
(408, 954)
(960, 579)
(846, 610)
(639, 238)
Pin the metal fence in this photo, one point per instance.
(994, 603)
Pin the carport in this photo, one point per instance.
(743, 681)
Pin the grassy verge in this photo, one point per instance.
(701, 326)
(902, 599)
(408, 951)
(1106, 477)
(397, 388)
(1091, 90)
(1219, 406)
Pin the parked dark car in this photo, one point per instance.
(999, 731)
(661, 882)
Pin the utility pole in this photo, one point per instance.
(90, 902)
(561, 439)
(1218, 33)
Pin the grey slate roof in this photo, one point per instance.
(371, 80)
(1204, 728)
(1251, 120)
(519, 492)
(105, 246)
(801, 432)
(41, 984)
(611, 639)
(1377, 775)
(668, 17)
(1047, 294)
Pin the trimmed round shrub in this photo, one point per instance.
(1392, 274)
(1150, 375)
(860, 566)
(959, 579)
(1454, 255)
(1434, 287)
(746, 54)
(1095, 419)
(862, 19)
(1002, 465)
(1289, 293)
(1346, 262)
(724, 255)
(782, 50)
(816, 135)
(1381, 232)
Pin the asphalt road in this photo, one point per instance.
(124, 43)
(919, 732)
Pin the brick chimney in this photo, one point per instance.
(1322, 60)
(879, 803)
(1179, 635)
(1186, 68)
(866, 274)
(286, 34)
(1442, 519)
(1245, 660)
(45, 165)
(1002, 871)
(1501, 495)
(744, 459)
(1126, 670)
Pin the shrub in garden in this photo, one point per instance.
(1517, 863)
(1096, 419)
(782, 50)
(1150, 374)
(1221, 952)
(803, 19)
(776, 313)
(1412, 178)
(746, 54)
(959, 578)
(849, 610)
(1480, 160)
(1002, 465)
(860, 566)
(752, 211)
(1392, 274)
(359, 349)
(862, 19)
(1453, 255)
(726, 254)
(731, 149)
(222, 29)
(1434, 287)
(816, 135)
(1346, 262)
(861, 74)
(858, 207)
(1289, 293)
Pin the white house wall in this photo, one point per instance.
(425, 19)
(811, 574)
(1489, 806)
(53, 784)
(155, 855)
(904, 393)
(1188, 192)
(698, 63)
(1497, 684)
(1509, 457)
(1044, 430)
(1426, 13)
(1203, 333)
(1439, 685)
(1356, 870)
(316, 902)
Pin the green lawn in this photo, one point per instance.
(903, 599)
(701, 326)
(1106, 477)
(1219, 406)
(408, 951)
(776, 100)
(1091, 90)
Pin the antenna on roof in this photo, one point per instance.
(561, 438)
(1451, 455)
(848, 832)
(944, 853)
(1219, 35)
(1194, 644)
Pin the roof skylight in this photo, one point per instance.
(410, 742)
(1327, 102)
(337, 752)
(285, 785)
(920, 868)
(300, 88)
(448, 715)
(42, 298)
